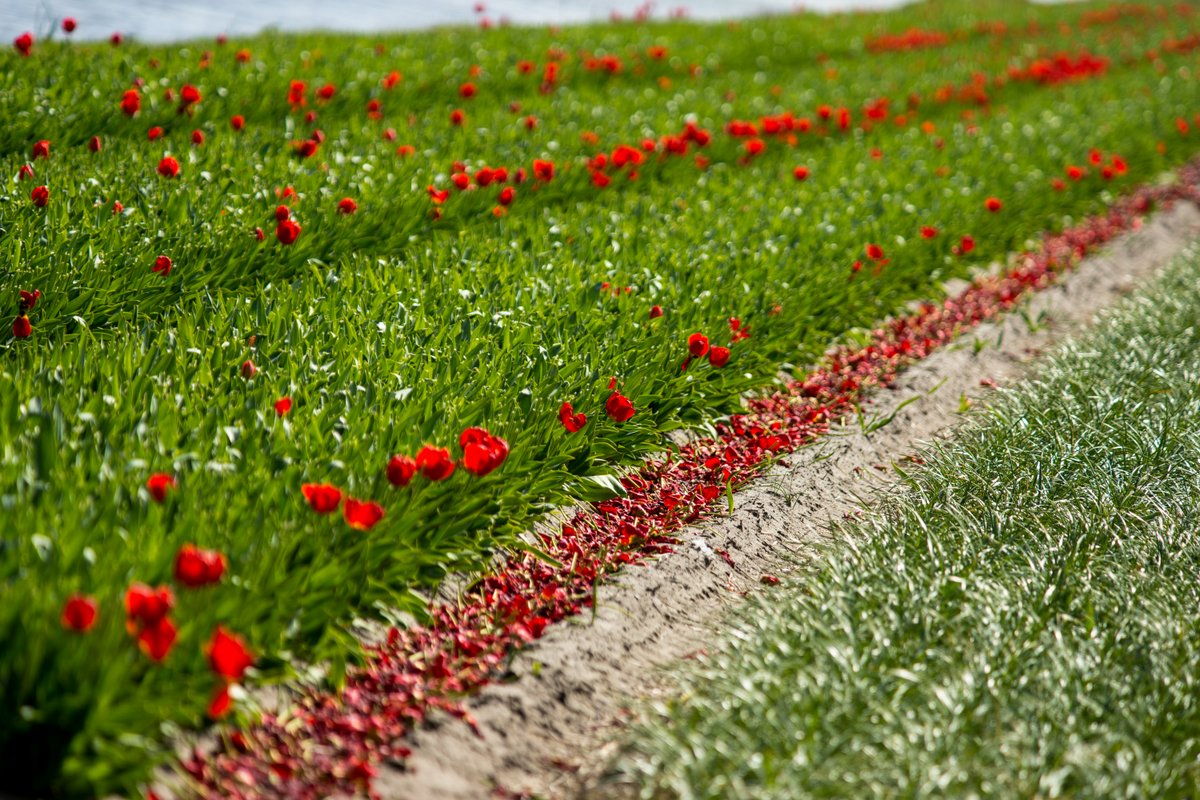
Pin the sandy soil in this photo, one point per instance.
(550, 726)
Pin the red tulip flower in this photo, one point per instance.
(116, 39)
(40, 196)
(361, 514)
(435, 463)
(188, 96)
(195, 567)
(94, 144)
(29, 299)
(21, 327)
(697, 344)
(248, 369)
(197, 137)
(993, 204)
(323, 498)
(220, 704)
(162, 265)
(482, 452)
(467, 91)
(928, 232)
(347, 206)
(287, 231)
(457, 118)
(326, 92)
(874, 252)
(25, 172)
(24, 43)
(154, 133)
(237, 122)
(543, 170)
(228, 655)
(507, 195)
(800, 173)
(145, 606)
(131, 102)
(282, 406)
(618, 407)
(400, 470)
(965, 245)
(570, 420)
(168, 167)
(718, 356)
(157, 639)
(69, 24)
(158, 485)
(79, 613)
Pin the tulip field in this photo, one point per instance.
(307, 328)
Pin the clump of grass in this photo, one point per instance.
(1019, 621)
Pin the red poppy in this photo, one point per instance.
(467, 91)
(154, 133)
(21, 327)
(117, 207)
(228, 655)
(1075, 173)
(754, 147)
(618, 407)
(24, 43)
(718, 356)
(655, 312)
(168, 167)
(361, 514)
(258, 234)
(145, 606)
(530, 122)
(400, 470)
(189, 95)
(457, 117)
(237, 122)
(392, 79)
(928, 232)
(197, 137)
(94, 144)
(131, 102)
(157, 639)
(220, 704)
(326, 92)
(543, 170)
(287, 231)
(800, 173)
(965, 245)
(435, 462)
(374, 109)
(195, 567)
(307, 148)
(697, 344)
(283, 405)
(993, 204)
(482, 452)
(162, 265)
(79, 613)
(40, 196)
(158, 485)
(248, 369)
(570, 420)
(323, 498)
(347, 206)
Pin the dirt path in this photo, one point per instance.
(549, 730)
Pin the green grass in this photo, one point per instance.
(390, 329)
(1019, 621)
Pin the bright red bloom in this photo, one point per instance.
(237, 122)
(94, 144)
(188, 95)
(482, 452)
(69, 24)
(467, 91)
(147, 607)
(347, 206)
(392, 79)
(543, 170)
(530, 122)
(168, 167)
(21, 327)
(361, 514)
(435, 462)
(158, 485)
(718, 356)
(116, 39)
(162, 265)
(655, 312)
(307, 148)
(195, 567)
(570, 420)
(993, 204)
(157, 639)
(154, 133)
(754, 147)
(323, 498)
(461, 181)
(40, 196)
(1075, 173)
(228, 655)
(79, 613)
(326, 92)
(800, 173)
(282, 213)
(131, 102)
(928, 232)
(248, 369)
(374, 109)
(874, 252)
(697, 344)
(25, 172)
(457, 118)
(965, 245)
(618, 407)
(197, 137)
(220, 704)
(24, 43)
(283, 405)
(117, 207)
(287, 231)
(29, 299)
(438, 197)
(400, 470)
(405, 150)
(507, 195)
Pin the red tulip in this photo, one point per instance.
(326, 92)
(220, 704)
(162, 265)
(29, 299)
(543, 170)
(40, 196)
(361, 514)
(283, 405)
(287, 231)
(248, 369)
(570, 420)
(307, 148)
(21, 327)
(467, 91)
(189, 95)
(158, 485)
(435, 463)
(228, 655)
(237, 122)
(168, 167)
(116, 39)
(131, 102)
(195, 567)
(25, 172)
(874, 252)
(718, 356)
(154, 133)
(482, 452)
(618, 407)
(655, 312)
(24, 43)
(197, 137)
(347, 206)
(507, 195)
(69, 24)
(94, 144)
(117, 207)
(965, 245)
(928, 232)
(800, 173)
(992, 204)
(79, 613)
(157, 639)
(323, 498)
(145, 606)
(457, 118)
(400, 470)
(697, 344)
